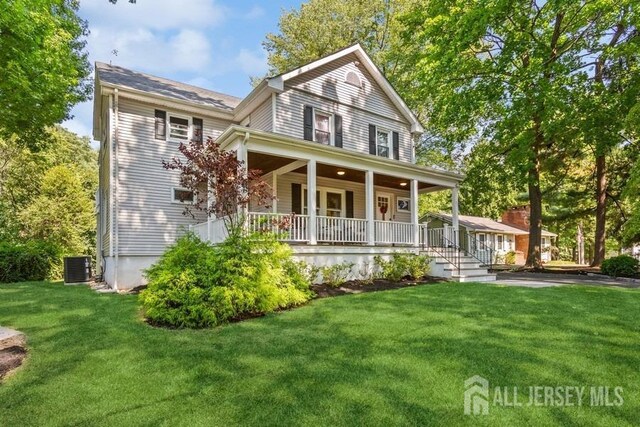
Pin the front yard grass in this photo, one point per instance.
(386, 358)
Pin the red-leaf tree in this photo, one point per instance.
(229, 183)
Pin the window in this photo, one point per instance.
(382, 143)
(329, 202)
(500, 242)
(352, 78)
(182, 195)
(482, 238)
(305, 210)
(179, 128)
(544, 242)
(322, 128)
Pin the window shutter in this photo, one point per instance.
(296, 198)
(349, 197)
(197, 129)
(161, 124)
(308, 123)
(396, 146)
(372, 139)
(337, 122)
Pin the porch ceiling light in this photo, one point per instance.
(403, 184)
(341, 173)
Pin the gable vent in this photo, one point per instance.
(353, 79)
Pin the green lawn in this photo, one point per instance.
(386, 358)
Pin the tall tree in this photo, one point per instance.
(512, 72)
(43, 66)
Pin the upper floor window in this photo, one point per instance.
(322, 128)
(179, 128)
(382, 143)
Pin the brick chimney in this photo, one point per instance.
(517, 216)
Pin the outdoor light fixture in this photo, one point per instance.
(341, 173)
(403, 184)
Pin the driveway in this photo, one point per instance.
(545, 280)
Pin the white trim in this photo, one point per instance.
(320, 112)
(389, 133)
(274, 116)
(174, 200)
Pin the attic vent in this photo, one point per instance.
(353, 79)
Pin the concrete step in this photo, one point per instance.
(468, 271)
(474, 278)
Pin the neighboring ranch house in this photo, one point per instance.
(496, 238)
(333, 139)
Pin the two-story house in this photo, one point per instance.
(333, 139)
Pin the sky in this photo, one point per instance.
(215, 44)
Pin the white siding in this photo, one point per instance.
(104, 226)
(148, 220)
(284, 194)
(325, 88)
(262, 117)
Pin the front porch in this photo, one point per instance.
(325, 195)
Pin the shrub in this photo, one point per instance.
(197, 285)
(623, 265)
(31, 261)
(510, 258)
(402, 265)
(336, 274)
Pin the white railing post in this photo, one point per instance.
(454, 214)
(369, 211)
(311, 201)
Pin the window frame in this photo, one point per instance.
(176, 201)
(322, 208)
(389, 134)
(189, 127)
(318, 111)
(500, 241)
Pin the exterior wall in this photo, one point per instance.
(325, 88)
(284, 194)
(148, 220)
(262, 117)
(130, 270)
(104, 181)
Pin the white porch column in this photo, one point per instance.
(414, 212)
(274, 188)
(369, 210)
(311, 201)
(454, 214)
(242, 156)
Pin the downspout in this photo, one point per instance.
(116, 185)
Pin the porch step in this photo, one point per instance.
(486, 277)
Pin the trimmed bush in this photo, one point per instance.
(336, 274)
(31, 261)
(510, 258)
(620, 266)
(403, 265)
(197, 285)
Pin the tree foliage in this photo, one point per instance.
(43, 66)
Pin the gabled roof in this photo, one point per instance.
(478, 223)
(123, 77)
(277, 82)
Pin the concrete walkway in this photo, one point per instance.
(545, 280)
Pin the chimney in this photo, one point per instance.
(517, 216)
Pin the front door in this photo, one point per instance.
(384, 207)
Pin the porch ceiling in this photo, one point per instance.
(268, 163)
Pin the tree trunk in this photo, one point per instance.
(601, 211)
(535, 200)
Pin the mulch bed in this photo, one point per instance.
(356, 286)
(10, 359)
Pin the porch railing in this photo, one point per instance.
(437, 241)
(391, 232)
(479, 250)
(341, 230)
(292, 228)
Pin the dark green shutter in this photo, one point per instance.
(197, 129)
(296, 198)
(372, 139)
(337, 123)
(349, 197)
(308, 123)
(161, 124)
(396, 146)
